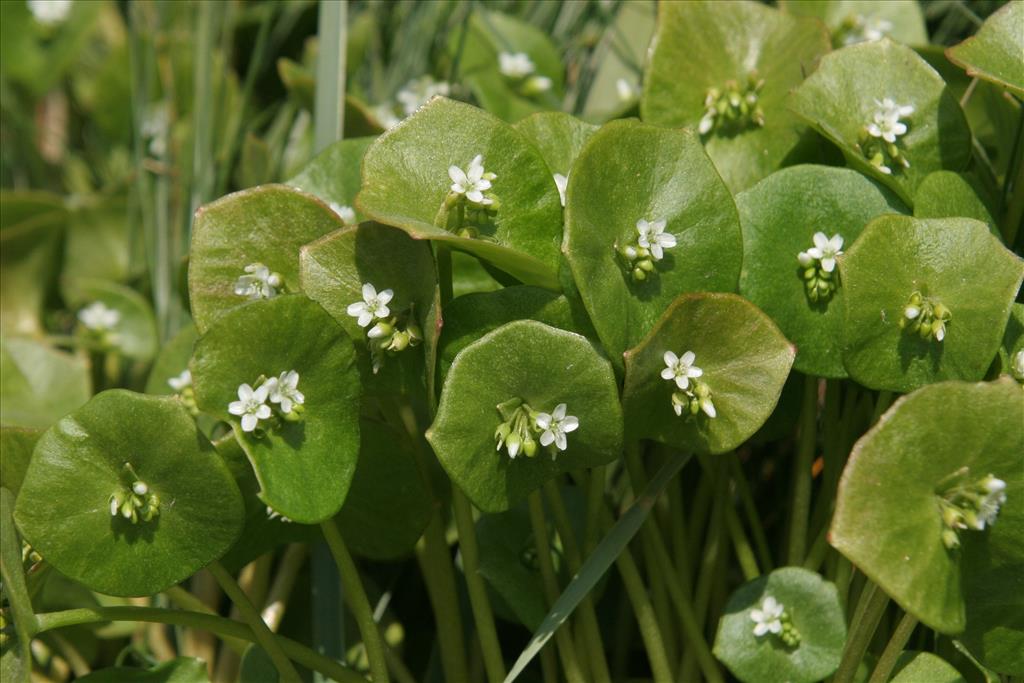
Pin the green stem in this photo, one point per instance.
(870, 608)
(264, 636)
(329, 114)
(221, 626)
(494, 663)
(645, 619)
(187, 601)
(893, 649)
(439, 577)
(802, 474)
(358, 603)
(563, 636)
(741, 544)
(881, 405)
(764, 556)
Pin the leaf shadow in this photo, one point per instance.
(912, 348)
(131, 534)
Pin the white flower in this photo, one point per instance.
(418, 92)
(911, 311)
(995, 496)
(767, 619)
(181, 381)
(625, 90)
(885, 122)
(826, 249)
(555, 426)
(372, 306)
(97, 317)
(561, 182)
(49, 12)
(537, 84)
(251, 406)
(867, 30)
(258, 283)
(1018, 364)
(473, 182)
(285, 390)
(654, 238)
(680, 368)
(939, 331)
(386, 116)
(140, 488)
(707, 121)
(346, 213)
(515, 65)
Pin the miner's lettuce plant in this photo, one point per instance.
(750, 336)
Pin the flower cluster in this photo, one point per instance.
(925, 316)
(470, 202)
(411, 97)
(733, 108)
(520, 71)
(523, 427)
(390, 333)
(182, 385)
(879, 137)
(258, 282)
(282, 390)
(856, 28)
(692, 395)
(649, 248)
(772, 618)
(970, 505)
(100, 321)
(818, 264)
(135, 502)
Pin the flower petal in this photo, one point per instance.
(688, 358)
(670, 360)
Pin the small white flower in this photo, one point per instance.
(767, 619)
(285, 390)
(995, 496)
(910, 312)
(98, 317)
(115, 504)
(49, 12)
(940, 331)
(707, 122)
(346, 213)
(625, 90)
(258, 283)
(273, 514)
(372, 306)
(885, 122)
(561, 182)
(472, 182)
(826, 249)
(867, 30)
(181, 381)
(555, 426)
(654, 238)
(1018, 364)
(385, 116)
(708, 407)
(251, 406)
(140, 488)
(419, 91)
(515, 64)
(680, 369)
(537, 84)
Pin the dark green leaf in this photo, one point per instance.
(558, 137)
(924, 667)
(172, 361)
(38, 384)
(16, 445)
(179, 670)
(994, 53)
(945, 194)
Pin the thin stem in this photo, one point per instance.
(284, 580)
(264, 636)
(563, 636)
(439, 576)
(741, 544)
(802, 474)
(881, 405)
(645, 619)
(355, 597)
(750, 510)
(870, 608)
(893, 649)
(494, 663)
(226, 628)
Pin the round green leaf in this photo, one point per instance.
(945, 194)
(848, 19)
(266, 224)
(924, 667)
(888, 520)
(703, 45)
(333, 270)
(543, 367)
(813, 608)
(334, 174)
(954, 261)
(304, 468)
(405, 182)
(839, 100)
(745, 360)
(780, 216)
(16, 446)
(63, 509)
(994, 53)
(134, 335)
(558, 137)
(630, 171)
(38, 384)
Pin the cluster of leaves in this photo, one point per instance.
(526, 298)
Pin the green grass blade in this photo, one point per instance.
(329, 113)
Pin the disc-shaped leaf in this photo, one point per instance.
(994, 53)
(334, 270)
(134, 334)
(266, 224)
(16, 446)
(543, 367)
(38, 384)
(630, 171)
(780, 216)
(702, 45)
(487, 36)
(745, 360)
(945, 194)
(953, 261)
(812, 607)
(924, 667)
(889, 521)
(558, 137)
(334, 174)
(856, 21)
(842, 97)
(304, 467)
(100, 451)
(405, 183)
